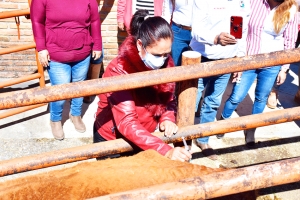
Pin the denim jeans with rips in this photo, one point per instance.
(265, 80)
(181, 41)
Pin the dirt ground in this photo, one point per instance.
(86, 175)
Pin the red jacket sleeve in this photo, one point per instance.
(126, 119)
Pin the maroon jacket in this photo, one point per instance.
(135, 113)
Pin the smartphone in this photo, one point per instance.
(236, 26)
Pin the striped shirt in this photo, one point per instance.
(145, 5)
(261, 35)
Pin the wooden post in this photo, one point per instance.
(187, 92)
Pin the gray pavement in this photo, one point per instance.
(29, 133)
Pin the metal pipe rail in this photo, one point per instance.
(143, 79)
(218, 184)
(19, 80)
(19, 110)
(14, 13)
(39, 75)
(17, 48)
(69, 155)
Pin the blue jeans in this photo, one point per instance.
(61, 73)
(215, 88)
(265, 80)
(180, 43)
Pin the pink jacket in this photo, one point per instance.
(124, 12)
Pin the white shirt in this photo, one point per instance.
(263, 26)
(182, 12)
(210, 18)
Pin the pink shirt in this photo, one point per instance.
(261, 35)
(68, 29)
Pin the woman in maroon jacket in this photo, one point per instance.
(66, 33)
(134, 114)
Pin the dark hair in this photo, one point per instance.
(149, 30)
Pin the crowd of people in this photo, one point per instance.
(159, 31)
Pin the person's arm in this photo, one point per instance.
(167, 119)
(170, 112)
(38, 19)
(120, 13)
(127, 122)
(200, 22)
(290, 36)
(167, 10)
(96, 27)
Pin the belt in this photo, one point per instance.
(183, 27)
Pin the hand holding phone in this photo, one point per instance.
(236, 26)
(225, 39)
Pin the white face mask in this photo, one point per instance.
(153, 62)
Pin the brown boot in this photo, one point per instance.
(297, 97)
(57, 130)
(272, 100)
(78, 123)
(93, 73)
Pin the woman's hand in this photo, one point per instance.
(44, 57)
(281, 77)
(179, 153)
(96, 54)
(169, 128)
(121, 26)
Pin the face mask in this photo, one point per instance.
(153, 62)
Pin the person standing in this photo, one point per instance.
(94, 72)
(64, 42)
(126, 8)
(179, 14)
(211, 38)
(96, 65)
(273, 97)
(134, 114)
(272, 22)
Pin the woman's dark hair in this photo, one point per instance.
(149, 29)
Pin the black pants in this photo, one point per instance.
(98, 138)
